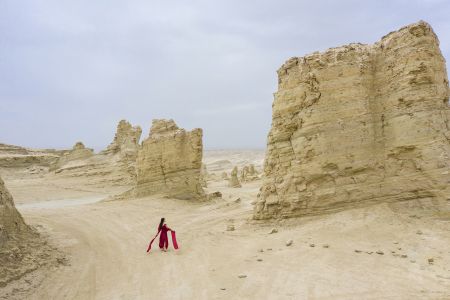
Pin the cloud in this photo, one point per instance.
(70, 70)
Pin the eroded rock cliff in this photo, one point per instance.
(11, 223)
(169, 162)
(359, 124)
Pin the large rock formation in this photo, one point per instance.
(169, 162)
(359, 124)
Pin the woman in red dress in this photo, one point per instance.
(163, 239)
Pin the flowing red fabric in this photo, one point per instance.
(150, 245)
(174, 239)
(163, 239)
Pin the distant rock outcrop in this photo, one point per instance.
(78, 152)
(169, 162)
(125, 147)
(249, 173)
(115, 164)
(16, 157)
(359, 124)
(234, 180)
(126, 140)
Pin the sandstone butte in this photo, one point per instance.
(358, 125)
(169, 162)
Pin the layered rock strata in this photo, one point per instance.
(169, 162)
(359, 124)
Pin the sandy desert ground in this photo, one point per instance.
(381, 252)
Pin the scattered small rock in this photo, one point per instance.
(312, 245)
(230, 228)
(238, 200)
(326, 246)
(289, 243)
(358, 251)
(412, 261)
(223, 289)
(269, 249)
(419, 232)
(214, 195)
(260, 250)
(380, 252)
(396, 243)
(274, 230)
(242, 276)
(431, 261)
(259, 259)
(369, 252)
(404, 256)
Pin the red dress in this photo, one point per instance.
(163, 239)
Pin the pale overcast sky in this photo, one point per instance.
(70, 70)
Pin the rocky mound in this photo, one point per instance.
(21, 249)
(11, 222)
(13, 157)
(78, 152)
(169, 162)
(359, 124)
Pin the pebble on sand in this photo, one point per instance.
(326, 246)
(312, 245)
(230, 228)
(380, 252)
(289, 243)
(242, 276)
(274, 230)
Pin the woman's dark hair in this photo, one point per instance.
(161, 223)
